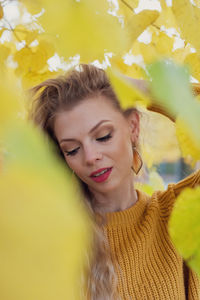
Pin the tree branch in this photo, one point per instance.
(125, 3)
(12, 29)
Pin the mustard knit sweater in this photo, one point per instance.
(147, 264)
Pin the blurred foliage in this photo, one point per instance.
(154, 182)
(40, 39)
(171, 89)
(45, 229)
(184, 226)
(78, 29)
(33, 39)
(127, 94)
(188, 17)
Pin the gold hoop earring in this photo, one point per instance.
(137, 161)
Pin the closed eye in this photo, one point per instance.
(101, 139)
(104, 138)
(73, 152)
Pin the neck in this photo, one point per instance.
(118, 199)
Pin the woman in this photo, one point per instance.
(134, 257)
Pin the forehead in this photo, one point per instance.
(81, 118)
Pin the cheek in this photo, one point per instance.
(126, 150)
(125, 143)
(123, 152)
(71, 163)
(127, 155)
(74, 165)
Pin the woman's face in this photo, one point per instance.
(96, 141)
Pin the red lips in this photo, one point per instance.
(102, 177)
(98, 171)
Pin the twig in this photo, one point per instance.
(12, 29)
(157, 27)
(125, 3)
(173, 34)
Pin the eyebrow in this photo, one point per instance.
(91, 130)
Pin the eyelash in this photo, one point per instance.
(104, 138)
(73, 152)
(101, 139)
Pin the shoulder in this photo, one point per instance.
(190, 181)
(167, 198)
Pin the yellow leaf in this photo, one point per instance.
(164, 43)
(2, 31)
(126, 8)
(160, 46)
(139, 22)
(163, 4)
(135, 49)
(184, 226)
(31, 36)
(117, 62)
(148, 52)
(31, 79)
(21, 32)
(166, 18)
(180, 54)
(41, 54)
(197, 2)
(47, 47)
(134, 71)
(188, 143)
(11, 101)
(44, 229)
(84, 28)
(188, 20)
(24, 59)
(193, 60)
(1, 12)
(33, 7)
(4, 52)
(10, 45)
(43, 235)
(33, 59)
(128, 95)
(154, 148)
(39, 59)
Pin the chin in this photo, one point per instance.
(106, 187)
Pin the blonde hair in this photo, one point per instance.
(63, 93)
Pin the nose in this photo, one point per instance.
(92, 154)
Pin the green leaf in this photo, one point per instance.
(171, 90)
(184, 226)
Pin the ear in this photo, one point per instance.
(133, 120)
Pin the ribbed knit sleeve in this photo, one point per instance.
(147, 264)
(191, 181)
(168, 197)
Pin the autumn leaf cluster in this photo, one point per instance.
(32, 182)
(103, 31)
